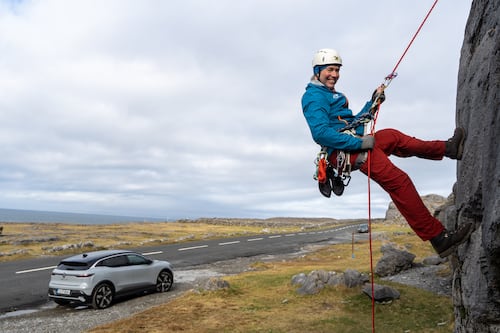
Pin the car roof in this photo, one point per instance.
(91, 257)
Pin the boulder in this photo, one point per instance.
(315, 281)
(393, 261)
(381, 293)
(354, 278)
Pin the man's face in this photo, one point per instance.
(329, 76)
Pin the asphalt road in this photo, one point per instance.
(24, 283)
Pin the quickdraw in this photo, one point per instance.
(344, 167)
(332, 179)
(321, 162)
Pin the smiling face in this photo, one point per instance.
(329, 76)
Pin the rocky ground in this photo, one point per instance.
(52, 318)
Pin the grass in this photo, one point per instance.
(25, 240)
(263, 299)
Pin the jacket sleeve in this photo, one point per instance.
(322, 131)
(364, 111)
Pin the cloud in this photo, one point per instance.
(191, 109)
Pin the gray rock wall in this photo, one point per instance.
(476, 289)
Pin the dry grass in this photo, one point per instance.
(24, 240)
(263, 300)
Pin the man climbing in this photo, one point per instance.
(341, 135)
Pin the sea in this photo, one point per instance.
(19, 215)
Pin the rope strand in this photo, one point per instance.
(388, 80)
(413, 38)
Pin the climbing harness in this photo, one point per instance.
(337, 177)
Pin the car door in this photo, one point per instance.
(115, 269)
(139, 272)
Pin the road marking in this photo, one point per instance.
(204, 246)
(254, 239)
(192, 248)
(229, 243)
(36, 269)
(152, 253)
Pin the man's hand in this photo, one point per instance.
(368, 142)
(378, 96)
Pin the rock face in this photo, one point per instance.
(476, 289)
(431, 201)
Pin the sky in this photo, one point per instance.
(188, 109)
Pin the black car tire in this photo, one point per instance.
(102, 296)
(164, 281)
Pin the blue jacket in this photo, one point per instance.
(322, 109)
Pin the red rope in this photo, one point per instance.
(372, 132)
(413, 38)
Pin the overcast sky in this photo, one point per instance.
(186, 109)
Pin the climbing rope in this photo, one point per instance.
(376, 109)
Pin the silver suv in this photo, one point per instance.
(96, 278)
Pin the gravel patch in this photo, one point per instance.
(430, 278)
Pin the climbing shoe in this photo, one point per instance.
(325, 188)
(455, 145)
(448, 241)
(337, 185)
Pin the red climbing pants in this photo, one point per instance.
(397, 183)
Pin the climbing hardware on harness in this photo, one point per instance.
(332, 179)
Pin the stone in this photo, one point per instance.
(299, 279)
(214, 284)
(433, 260)
(312, 285)
(354, 278)
(393, 261)
(315, 281)
(381, 293)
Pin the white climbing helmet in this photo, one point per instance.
(326, 57)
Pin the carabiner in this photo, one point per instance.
(389, 78)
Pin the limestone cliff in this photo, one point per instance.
(476, 289)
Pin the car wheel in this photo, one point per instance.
(102, 296)
(164, 281)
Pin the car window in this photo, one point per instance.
(73, 265)
(116, 261)
(135, 259)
